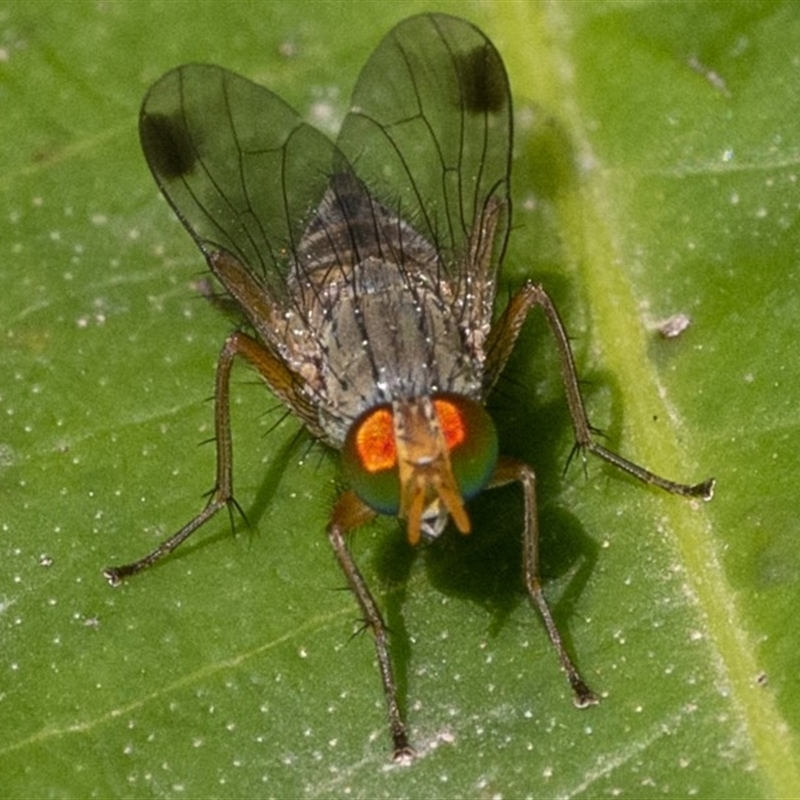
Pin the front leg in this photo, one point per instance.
(510, 470)
(349, 513)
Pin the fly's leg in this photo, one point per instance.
(511, 471)
(349, 513)
(237, 344)
(501, 343)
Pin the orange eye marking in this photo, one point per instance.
(375, 441)
(451, 422)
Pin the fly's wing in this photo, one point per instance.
(429, 134)
(239, 167)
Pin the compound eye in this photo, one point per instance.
(471, 439)
(369, 460)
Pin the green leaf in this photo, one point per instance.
(655, 175)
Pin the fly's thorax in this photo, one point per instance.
(390, 334)
(421, 458)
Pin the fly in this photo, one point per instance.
(365, 270)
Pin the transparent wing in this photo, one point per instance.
(429, 132)
(240, 168)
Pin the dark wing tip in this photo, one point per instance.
(168, 145)
(484, 86)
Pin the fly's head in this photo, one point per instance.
(421, 458)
